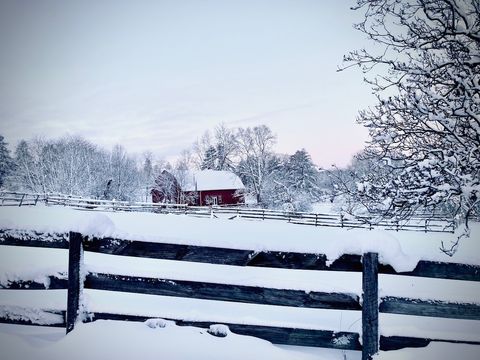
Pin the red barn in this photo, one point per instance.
(202, 188)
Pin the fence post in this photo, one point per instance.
(316, 219)
(21, 200)
(75, 256)
(370, 305)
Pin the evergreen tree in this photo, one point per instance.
(209, 160)
(293, 186)
(26, 175)
(6, 162)
(301, 173)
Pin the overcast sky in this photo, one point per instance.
(154, 75)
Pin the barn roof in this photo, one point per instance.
(205, 180)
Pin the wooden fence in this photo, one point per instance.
(369, 303)
(431, 223)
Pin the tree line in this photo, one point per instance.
(72, 165)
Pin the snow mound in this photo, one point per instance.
(96, 224)
(219, 330)
(158, 323)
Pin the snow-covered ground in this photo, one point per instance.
(400, 249)
(159, 339)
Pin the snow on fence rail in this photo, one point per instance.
(370, 304)
(434, 223)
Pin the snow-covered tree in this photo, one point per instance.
(6, 162)
(147, 174)
(350, 185)
(72, 165)
(293, 185)
(25, 176)
(226, 146)
(166, 188)
(184, 177)
(216, 152)
(209, 159)
(426, 124)
(278, 191)
(257, 159)
(147, 168)
(302, 174)
(124, 175)
(199, 149)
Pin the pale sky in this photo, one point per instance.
(154, 75)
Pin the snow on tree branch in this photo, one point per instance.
(426, 124)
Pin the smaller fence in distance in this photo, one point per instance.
(433, 223)
(26, 199)
(370, 303)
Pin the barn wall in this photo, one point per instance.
(224, 197)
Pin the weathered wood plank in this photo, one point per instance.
(434, 308)
(226, 256)
(287, 260)
(33, 239)
(213, 255)
(370, 337)
(276, 335)
(223, 292)
(388, 343)
(238, 257)
(439, 270)
(347, 262)
(27, 316)
(75, 257)
(53, 282)
(20, 321)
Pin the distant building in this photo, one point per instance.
(202, 188)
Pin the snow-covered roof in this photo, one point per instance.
(205, 180)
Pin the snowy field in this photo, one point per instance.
(160, 339)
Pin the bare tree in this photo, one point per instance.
(124, 175)
(257, 159)
(69, 165)
(426, 124)
(350, 186)
(166, 189)
(226, 146)
(199, 149)
(217, 152)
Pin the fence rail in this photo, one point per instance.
(433, 223)
(370, 303)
